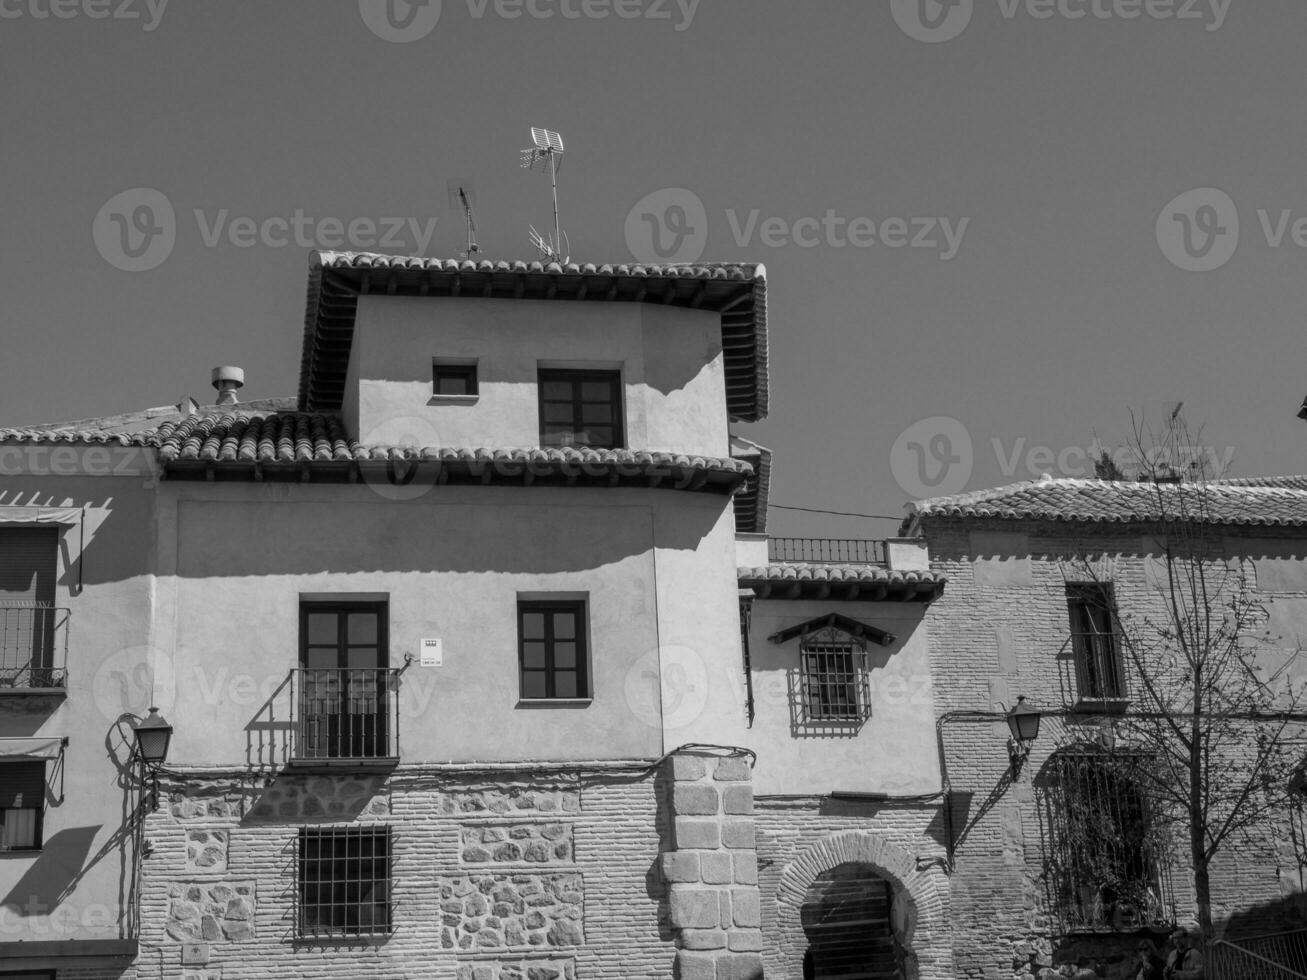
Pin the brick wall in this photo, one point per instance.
(798, 838)
(998, 632)
(499, 877)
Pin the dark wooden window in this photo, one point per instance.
(453, 379)
(343, 697)
(551, 650)
(22, 805)
(344, 881)
(28, 568)
(835, 686)
(1094, 641)
(581, 408)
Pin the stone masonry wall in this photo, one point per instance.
(999, 631)
(508, 876)
(712, 870)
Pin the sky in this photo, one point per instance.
(992, 230)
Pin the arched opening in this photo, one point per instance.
(847, 919)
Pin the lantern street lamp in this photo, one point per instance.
(152, 737)
(1023, 721)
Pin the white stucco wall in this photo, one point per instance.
(670, 359)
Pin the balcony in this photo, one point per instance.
(827, 551)
(33, 650)
(345, 719)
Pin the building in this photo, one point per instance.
(414, 635)
(1062, 857)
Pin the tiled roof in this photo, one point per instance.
(1266, 501)
(866, 582)
(737, 291)
(241, 440)
(751, 499)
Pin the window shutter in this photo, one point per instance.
(22, 785)
(27, 565)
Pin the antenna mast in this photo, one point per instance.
(548, 147)
(472, 246)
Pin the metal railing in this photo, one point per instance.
(828, 551)
(1278, 956)
(33, 646)
(342, 715)
(1100, 671)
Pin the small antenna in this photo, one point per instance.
(547, 152)
(472, 246)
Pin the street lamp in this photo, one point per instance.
(1023, 721)
(152, 737)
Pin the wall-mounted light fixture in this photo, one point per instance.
(153, 736)
(1023, 721)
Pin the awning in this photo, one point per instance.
(853, 627)
(32, 749)
(40, 515)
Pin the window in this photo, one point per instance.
(453, 378)
(834, 675)
(344, 881)
(27, 613)
(581, 408)
(551, 650)
(1105, 855)
(22, 805)
(345, 688)
(1094, 641)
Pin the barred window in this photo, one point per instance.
(344, 881)
(1094, 641)
(834, 673)
(1106, 857)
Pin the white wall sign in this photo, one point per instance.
(433, 653)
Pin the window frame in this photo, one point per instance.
(466, 370)
(578, 377)
(359, 736)
(1096, 651)
(549, 607)
(336, 835)
(38, 832)
(816, 684)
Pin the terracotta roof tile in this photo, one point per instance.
(799, 579)
(1266, 501)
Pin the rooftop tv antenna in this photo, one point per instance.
(547, 151)
(472, 246)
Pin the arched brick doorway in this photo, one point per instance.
(916, 909)
(846, 916)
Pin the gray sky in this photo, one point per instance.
(1059, 141)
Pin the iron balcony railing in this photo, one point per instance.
(1100, 672)
(1279, 956)
(344, 716)
(33, 647)
(827, 551)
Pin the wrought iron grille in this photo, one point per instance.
(1278, 956)
(1106, 862)
(344, 881)
(33, 646)
(828, 551)
(835, 683)
(345, 714)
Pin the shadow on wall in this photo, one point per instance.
(52, 876)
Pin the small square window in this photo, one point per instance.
(344, 881)
(22, 805)
(453, 379)
(551, 650)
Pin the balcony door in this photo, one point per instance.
(27, 588)
(344, 681)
